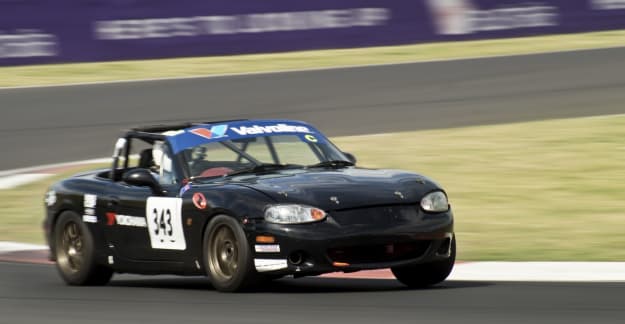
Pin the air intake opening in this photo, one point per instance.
(379, 253)
(445, 248)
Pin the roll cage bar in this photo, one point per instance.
(149, 134)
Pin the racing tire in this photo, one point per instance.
(426, 274)
(75, 253)
(227, 256)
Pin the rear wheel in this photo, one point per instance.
(75, 252)
(426, 274)
(227, 256)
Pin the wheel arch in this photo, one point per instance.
(96, 230)
(214, 213)
(66, 205)
(238, 202)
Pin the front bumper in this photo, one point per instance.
(348, 241)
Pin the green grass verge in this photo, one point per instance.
(181, 67)
(22, 208)
(549, 190)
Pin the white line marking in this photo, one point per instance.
(10, 179)
(313, 69)
(6, 247)
(540, 271)
(36, 169)
(16, 180)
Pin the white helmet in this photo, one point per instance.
(160, 158)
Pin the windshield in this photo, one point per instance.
(219, 158)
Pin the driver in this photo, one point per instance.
(162, 163)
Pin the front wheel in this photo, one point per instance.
(227, 256)
(426, 274)
(75, 253)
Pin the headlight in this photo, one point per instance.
(435, 202)
(293, 214)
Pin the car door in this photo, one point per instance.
(126, 222)
(146, 225)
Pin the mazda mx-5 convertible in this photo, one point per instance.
(243, 202)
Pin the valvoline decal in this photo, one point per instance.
(203, 134)
(214, 132)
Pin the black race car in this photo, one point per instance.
(242, 202)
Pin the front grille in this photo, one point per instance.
(381, 215)
(379, 253)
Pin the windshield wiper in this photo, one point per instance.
(264, 167)
(331, 164)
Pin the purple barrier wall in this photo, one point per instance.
(44, 31)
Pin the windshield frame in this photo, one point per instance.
(227, 132)
(324, 151)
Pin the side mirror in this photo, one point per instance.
(142, 178)
(350, 157)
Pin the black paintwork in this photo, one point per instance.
(368, 211)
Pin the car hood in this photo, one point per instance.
(335, 189)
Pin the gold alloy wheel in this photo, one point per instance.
(223, 258)
(70, 255)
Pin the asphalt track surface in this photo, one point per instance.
(56, 124)
(35, 294)
(59, 124)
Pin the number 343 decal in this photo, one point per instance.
(165, 223)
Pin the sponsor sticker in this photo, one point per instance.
(50, 198)
(270, 129)
(184, 189)
(90, 201)
(110, 219)
(89, 218)
(199, 200)
(173, 132)
(264, 265)
(125, 220)
(267, 248)
(311, 138)
(89, 204)
(214, 132)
